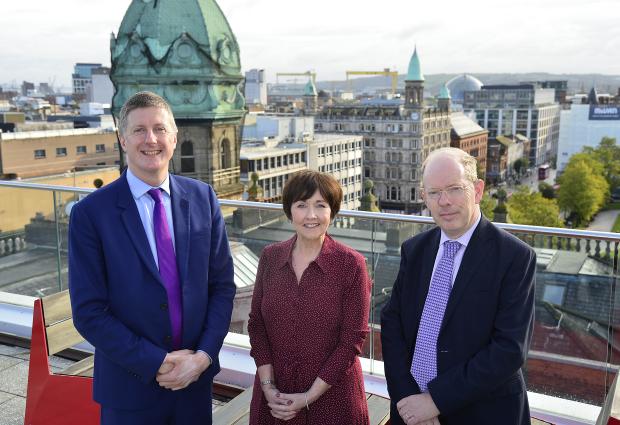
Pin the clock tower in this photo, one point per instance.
(414, 88)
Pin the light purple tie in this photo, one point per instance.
(168, 267)
(424, 364)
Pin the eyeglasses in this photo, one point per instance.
(452, 193)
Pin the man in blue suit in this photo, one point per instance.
(456, 329)
(151, 279)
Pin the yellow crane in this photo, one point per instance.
(386, 72)
(297, 74)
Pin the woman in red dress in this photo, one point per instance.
(309, 316)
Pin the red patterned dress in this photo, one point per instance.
(312, 329)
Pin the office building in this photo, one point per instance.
(255, 87)
(522, 109)
(585, 125)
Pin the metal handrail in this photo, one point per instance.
(517, 228)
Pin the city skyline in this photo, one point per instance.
(481, 36)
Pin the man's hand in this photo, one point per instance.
(288, 406)
(181, 368)
(418, 409)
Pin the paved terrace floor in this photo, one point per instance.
(14, 381)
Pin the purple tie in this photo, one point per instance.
(168, 266)
(424, 364)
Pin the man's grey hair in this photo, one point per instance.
(143, 99)
(466, 160)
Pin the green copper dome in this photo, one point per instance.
(185, 51)
(310, 89)
(415, 71)
(444, 92)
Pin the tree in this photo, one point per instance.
(546, 190)
(607, 153)
(527, 207)
(521, 165)
(583, 189)
(487, 204)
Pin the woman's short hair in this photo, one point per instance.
(303, 184)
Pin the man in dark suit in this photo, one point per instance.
(151, 279)
(456, 329)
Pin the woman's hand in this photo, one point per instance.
(289, 406)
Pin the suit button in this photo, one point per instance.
(168, 338)
(164, 306)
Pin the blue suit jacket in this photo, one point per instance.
(484, 335)
(118, 299)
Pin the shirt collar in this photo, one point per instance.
(321, 260)
(465, 237)
(139, 188)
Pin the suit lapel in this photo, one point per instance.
(135, 228)
(181, 223)
(474, 254)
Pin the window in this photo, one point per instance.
(61, 151)
(39, 153)
(225, 155)
(296, 158)
(554, 294)
(285, 159)
(259, 164)
(266, 163)
(80, 150)
(413, 194)
(414, 157)
(100, 148)
(303, 157)
(279, 161)
(272, 162)
(367, 172)
(116, 147)
(187, 157)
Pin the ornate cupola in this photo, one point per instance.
(185, 51)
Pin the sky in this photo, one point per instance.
(42, 40)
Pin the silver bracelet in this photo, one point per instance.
(267, 382)
(306, 395)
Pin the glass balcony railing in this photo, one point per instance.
(575, 350)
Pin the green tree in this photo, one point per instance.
(546, 190)
(487, 204)
(527, 207)
(520, 165)
(607, 153)
(583, 188)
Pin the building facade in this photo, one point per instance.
(82, 77)
(396, 140)
(467, 135)
(101, 89)
(40, 153)
(519, 109)
(255, 87)
(288, 144)
(586, 125)
(502, 153)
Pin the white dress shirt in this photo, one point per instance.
(146, 204)
(463, 240)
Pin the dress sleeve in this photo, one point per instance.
(259, 340)
(354, 328)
